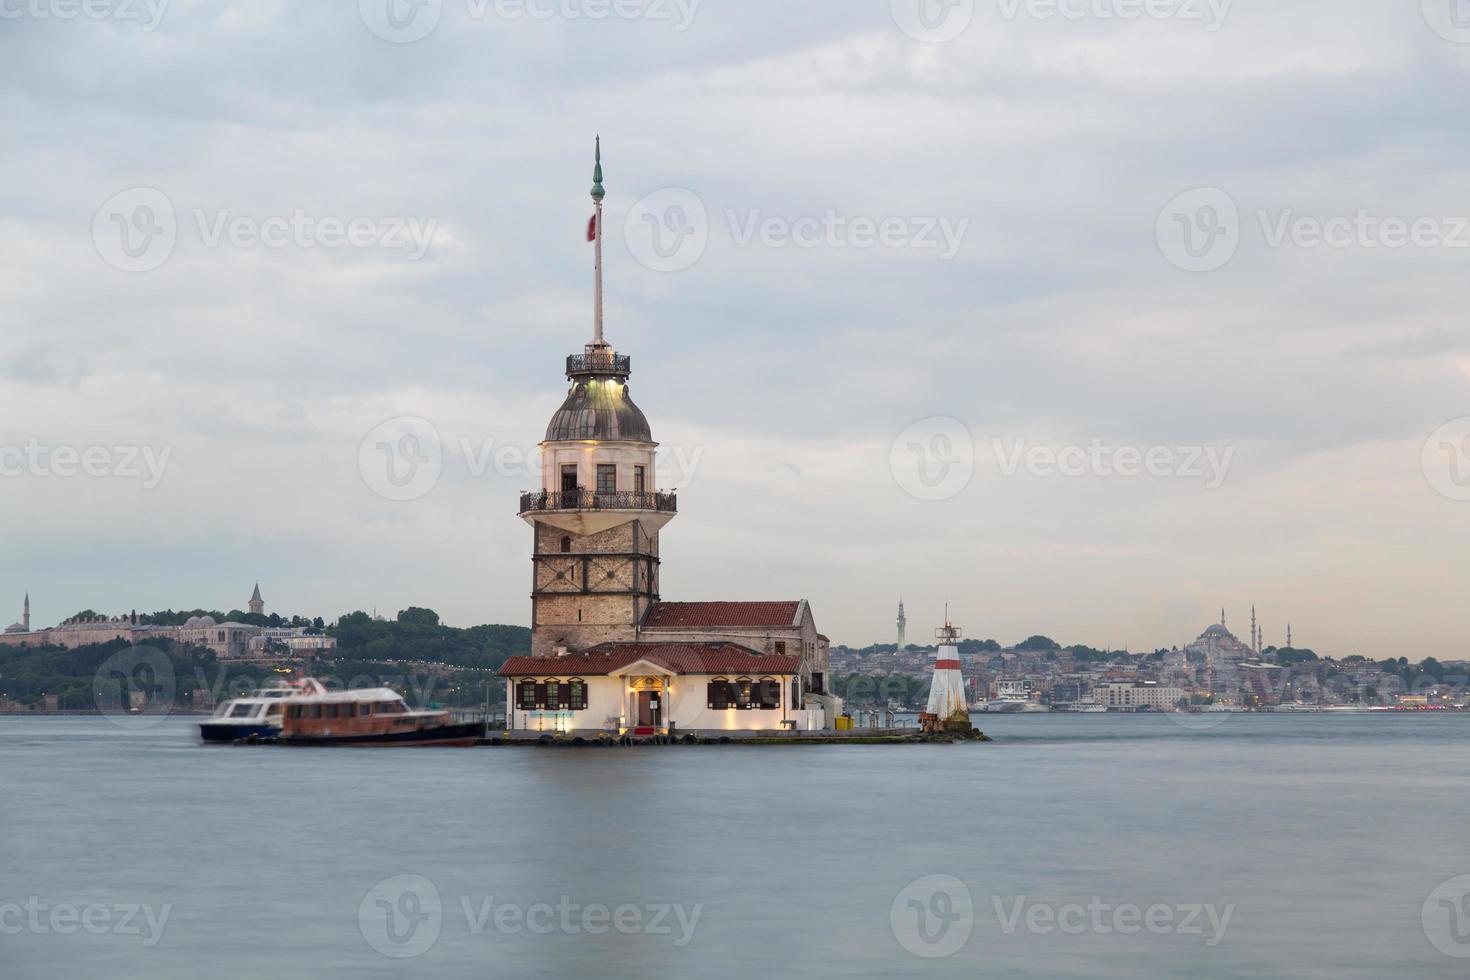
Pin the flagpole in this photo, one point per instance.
(597, 195)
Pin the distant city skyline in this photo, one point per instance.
(902, 622)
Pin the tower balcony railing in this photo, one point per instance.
(599, 362)
(542, 501)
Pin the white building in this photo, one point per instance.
(674, 688)
(1136, 695)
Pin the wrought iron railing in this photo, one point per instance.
(599, 363)
(667, 503)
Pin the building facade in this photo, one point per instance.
(1140, 696)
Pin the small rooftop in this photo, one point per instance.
(677, 658)
(715, 615)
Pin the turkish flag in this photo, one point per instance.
(592, 229)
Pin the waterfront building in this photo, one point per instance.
(1140, 695)
(607, 653)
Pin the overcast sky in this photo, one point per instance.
(875, 270)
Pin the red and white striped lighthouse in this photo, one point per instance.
(947, 707)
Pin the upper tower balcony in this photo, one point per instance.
(599, 363)
(545, 501)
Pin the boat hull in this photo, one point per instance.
(463, 734)
(219, 732)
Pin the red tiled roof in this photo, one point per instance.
(698, 615)
(679, 658)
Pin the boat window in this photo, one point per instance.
(274, 711)
(391, 708)
(316, 711)
(331, 711)
(242, 711)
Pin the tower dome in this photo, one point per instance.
(598, 405)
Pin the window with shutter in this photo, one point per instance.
(744, 694)
(577, 694)
(768, 694)
(540, 695)
(527, 695)
(719, 694)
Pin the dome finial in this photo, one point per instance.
(597, 192)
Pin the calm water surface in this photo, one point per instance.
(1324, 837)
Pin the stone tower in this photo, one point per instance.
(903, 623)
(25, 616)
(257, 604)
(598, 514)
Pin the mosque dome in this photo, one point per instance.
(200, 622)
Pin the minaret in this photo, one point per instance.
(598, 514)
(257, 604)
(1288, 637)
(1222, 615)
(1255, 637)
(903, 623)
(25, 616)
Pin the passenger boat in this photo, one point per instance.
(372, 717)
(256, 715)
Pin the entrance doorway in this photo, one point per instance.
(650, 709)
